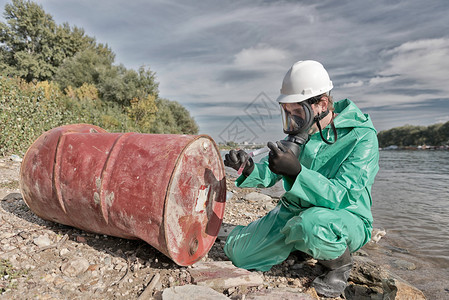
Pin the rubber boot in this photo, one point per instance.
(334, 281)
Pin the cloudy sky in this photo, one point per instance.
(225, 60)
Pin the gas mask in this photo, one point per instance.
(297, 120)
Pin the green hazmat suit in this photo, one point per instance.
(326, 209)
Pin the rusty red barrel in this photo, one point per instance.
(168, 190)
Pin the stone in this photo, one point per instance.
(361, 252)
(15, 158)
(282, 293)
(191, 292)
(107, 260)
(75, 267)
(395, 288)
(80, 239)
(63, 251)
(48, 278)
(370, 281)
(257, 197)
(222, 275)
(404, 265)
(377, 234)
(42, 241)
(224, 231)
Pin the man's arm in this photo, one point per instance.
(350, 185)
(261, 176)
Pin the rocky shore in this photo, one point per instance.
(45, 260)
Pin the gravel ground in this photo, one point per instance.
(44, 260)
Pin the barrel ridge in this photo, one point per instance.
(107, 171)
(56, 172)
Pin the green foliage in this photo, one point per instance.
(142, 112)
(172, 117)
(33, 46)
(114, 83)
(87, 66)
(24, 114)
(408, 135)
(27, 110)
(120, 85)
(232, 144)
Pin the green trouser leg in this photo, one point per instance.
(320, 232)
(260, 245)
(325, 233)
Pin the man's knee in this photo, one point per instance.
(317, 231)
(313, 220)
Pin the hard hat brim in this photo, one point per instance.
(292, 98)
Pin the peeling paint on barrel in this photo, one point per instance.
(168, 190)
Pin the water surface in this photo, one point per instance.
(411, 202)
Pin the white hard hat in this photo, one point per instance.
(304, 80)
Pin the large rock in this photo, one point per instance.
(370, 281)
(42, 241)
(221, 275)
(191, 292)
(284, 294)
(224, 231)
(75, 267)
(263, 200)
(257, 197)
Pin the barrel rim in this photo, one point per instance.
(178, 159)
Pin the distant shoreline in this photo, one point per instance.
(389, 148)
(414, 148)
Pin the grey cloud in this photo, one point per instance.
(239, 75)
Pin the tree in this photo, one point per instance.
(118, 84)
(142, 112)
(172, 117)
(33, 46)
(185, 123)
(408, 135)
(87, 66)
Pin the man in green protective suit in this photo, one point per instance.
(327, 163)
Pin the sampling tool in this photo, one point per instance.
(252, 154)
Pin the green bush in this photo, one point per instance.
(27, 110)
(25, 113)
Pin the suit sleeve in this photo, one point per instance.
(261, 176)
(350, 187)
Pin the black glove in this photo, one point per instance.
(234, 159)
(282, 161)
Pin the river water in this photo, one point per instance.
(411, 203)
